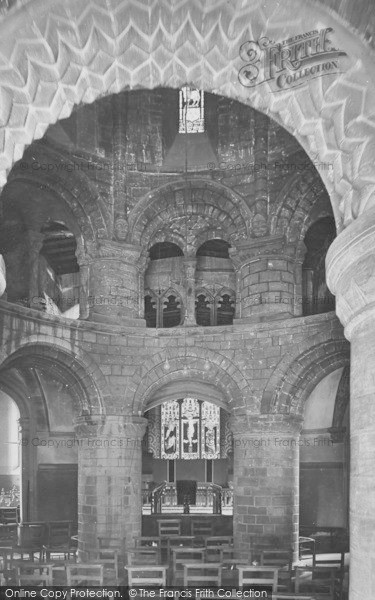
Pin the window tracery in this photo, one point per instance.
(191, 110)
(190, 429)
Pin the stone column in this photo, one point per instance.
(109, 479)
(190, 264)
(28, 469)
(351, 277)
(266, 481)
(268, 283)
(113, 294)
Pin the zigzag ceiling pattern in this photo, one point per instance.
(79, 50)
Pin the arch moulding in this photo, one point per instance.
(80, 50)
(289, 387)
(216, 376)
(85, 380)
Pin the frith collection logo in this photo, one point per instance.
(289, 63)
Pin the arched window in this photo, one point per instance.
(151, 310)
(216, 248)
(204, 308)
(164, 250)
(191, 110)
(225, 308)
(218, 310)
(189, 429)
(215, 281)
(164, 310)
(163, 304)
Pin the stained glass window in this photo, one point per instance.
(191, 110)
(170, 430)
(190, 429)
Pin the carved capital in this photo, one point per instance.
(255, 249)
(350, 267)
(111, 426)
(109, 249)
(249, 425)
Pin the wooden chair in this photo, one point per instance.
(250, 575)
(59, 570)
(110, 560)
(306, 546)
(35, 574)
(182, 556)
(149, 542)
(283, 560)
(142, 556)
(169, 527)
(148, 576)
(201, 529)
(9, 519)
(329, 560)
(180, 541)
(197, 574)
(85, 574)
(59, 540)
(319, 581)
(219, 540)
(110, 543)
(31, 537)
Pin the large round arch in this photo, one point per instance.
(218, 210)
(84, 378)
(197, 370)
(78, 50)
(30, 376)
(290, 386)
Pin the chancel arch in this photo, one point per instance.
(187, 460)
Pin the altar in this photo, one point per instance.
(187, 459)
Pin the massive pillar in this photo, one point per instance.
(268, 281)
(109, 479)
(266, 481)
(113, 283)
(351, 277)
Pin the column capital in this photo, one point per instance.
(111, 249)
(90, 426)
(253, 249)
(249, 425)
(350, 267)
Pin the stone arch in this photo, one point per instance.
(290, 385)
(84, 378)
(73, 187)
(79, 50)
(213, 210)
(302, 200)
(190, 365)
